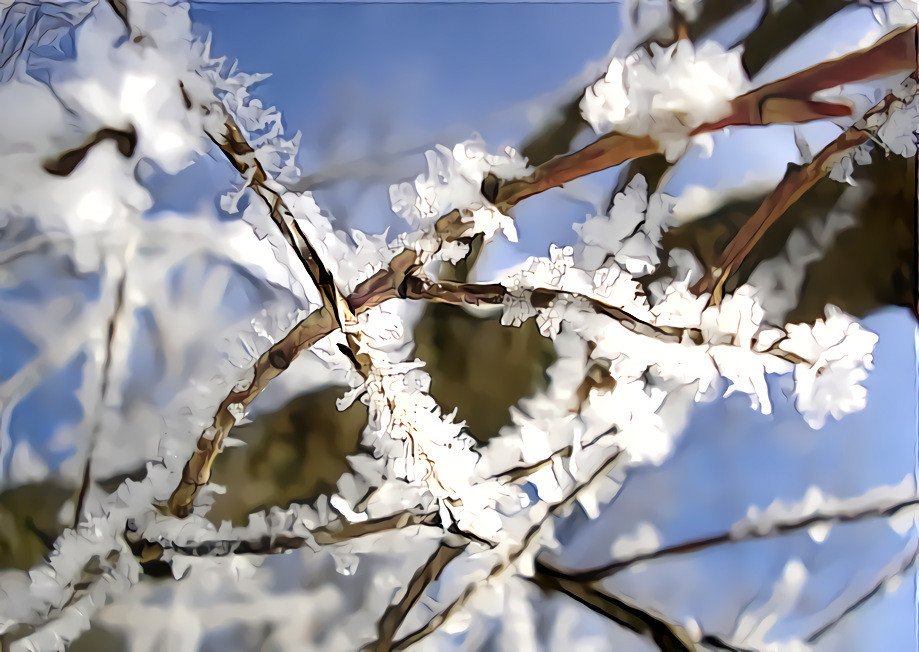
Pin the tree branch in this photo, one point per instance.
(493, 294)
(197, 471)
(667, 636)
(337, 532)
(863, 599)
(778, 529)
(797, 181)
(786, 100)
(427, 573)
(438, 619)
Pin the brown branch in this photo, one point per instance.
(438, 619)
(789, 99)
(667, 636)
(197, 470)
(65, 163)
(779, 529)
(335, 313)
(797, 181)
(557, 137)
(786, 100)
(478, 294)
(396, 613)
(337, 532)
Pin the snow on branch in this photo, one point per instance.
(628, 368)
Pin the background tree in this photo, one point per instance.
(529, 466)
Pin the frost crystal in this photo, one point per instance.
(666, 94)
(900, 132)
(454, 181)
(841, 353)
(630, 232)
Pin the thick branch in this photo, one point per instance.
(797, 181)
(788, 99)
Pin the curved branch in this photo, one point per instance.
(785, 101)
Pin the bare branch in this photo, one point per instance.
(667, 636)
(778, 529)
(395, 614)
(787, 100)
(797, 181)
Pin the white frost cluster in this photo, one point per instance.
(630, 232)
(900, 131)
(666, 94)
(839, 355)
(894, 13)
(454, 181)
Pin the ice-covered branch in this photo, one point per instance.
(765, 525)
(270, 364)
(787, 100)
(511, 556)
(241, 154)
(395, 614)
(336, 532)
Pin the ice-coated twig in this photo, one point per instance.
(395, 614)
(511, 557)
(751, 532)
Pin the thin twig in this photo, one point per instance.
(863, 599)
(667, 636)
(778, 529)
(395, 614)
(338, 532)
(478, 294)
(117, 307)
